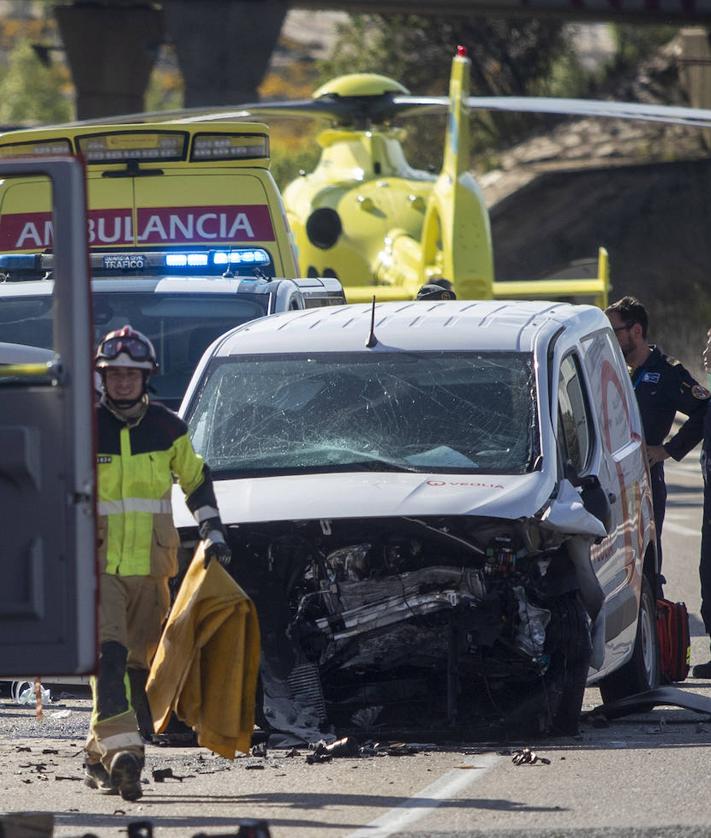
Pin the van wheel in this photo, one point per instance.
(553, 705)
(641, 672)
(569, 668)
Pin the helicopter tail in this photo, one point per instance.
(593, 290)
(456, 236)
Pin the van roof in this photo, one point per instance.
(413, 326)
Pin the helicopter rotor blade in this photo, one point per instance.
(404, 106)
(366, 110)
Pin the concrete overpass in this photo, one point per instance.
(224, 46)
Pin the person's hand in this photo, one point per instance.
(656, 454)
(217, 550)
(213, 535)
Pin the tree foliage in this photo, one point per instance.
(30, 91)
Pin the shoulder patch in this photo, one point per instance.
(699, 392)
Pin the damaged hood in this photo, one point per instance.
(374, 495)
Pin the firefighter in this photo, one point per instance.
(663, 387)
(141, 446)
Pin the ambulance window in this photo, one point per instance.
(574, 428)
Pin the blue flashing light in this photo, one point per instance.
(19, 261)
(241, 257)
(186, 260)
(176, 260)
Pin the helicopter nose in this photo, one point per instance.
(323, 227)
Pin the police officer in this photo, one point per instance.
(437, 289)
(141, 446)
(662, 387)
(703, 670)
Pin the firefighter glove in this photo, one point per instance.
(213, 535)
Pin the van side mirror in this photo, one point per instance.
(593, 496)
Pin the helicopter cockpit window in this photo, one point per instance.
(428, 412)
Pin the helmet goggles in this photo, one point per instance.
(134, 347)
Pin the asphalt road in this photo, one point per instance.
(646, 775)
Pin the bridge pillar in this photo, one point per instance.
(223, 47)
(111, 50)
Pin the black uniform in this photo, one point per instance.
(663, 387)
(705, 563)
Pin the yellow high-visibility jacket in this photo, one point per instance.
(136, 465)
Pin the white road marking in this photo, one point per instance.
(670, 526)
(426, 800)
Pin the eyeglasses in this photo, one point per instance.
(622, 328)
(136, 349)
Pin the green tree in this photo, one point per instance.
(30, 91)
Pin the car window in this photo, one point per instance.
(574, 428)
(430, 412)
(181, 326)
(610, 390)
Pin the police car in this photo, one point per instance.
(182, 300)
(449, 522)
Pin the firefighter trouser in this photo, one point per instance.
(132, 610)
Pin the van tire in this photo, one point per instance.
(569, 668)
(641, 672)
(553, 706)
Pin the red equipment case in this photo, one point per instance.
(673, 638)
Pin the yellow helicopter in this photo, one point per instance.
(383, 228)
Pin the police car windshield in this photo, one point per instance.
(426, 412)
(181, 326)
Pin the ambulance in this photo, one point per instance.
(201, 188)
(187, 234)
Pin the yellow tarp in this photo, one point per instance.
(206, 666)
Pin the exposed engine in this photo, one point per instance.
(404, 623)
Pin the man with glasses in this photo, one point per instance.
(663, 387)
(141, 446)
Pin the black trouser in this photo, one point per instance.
(659, 504)
(705, 563)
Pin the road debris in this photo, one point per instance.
(160, 775)
(259, 750)
(525, 756)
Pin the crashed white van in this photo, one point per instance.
(442, 511)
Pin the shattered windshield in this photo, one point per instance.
(426, 412)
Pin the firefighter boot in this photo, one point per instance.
(125, 775)
(97, 777)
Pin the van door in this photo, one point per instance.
(47, 472)
(623, 474)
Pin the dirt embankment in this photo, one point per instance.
(655, 221)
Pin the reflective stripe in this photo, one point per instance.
(214, 537)
(121, 507)
(205, 512)
(120, 740)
